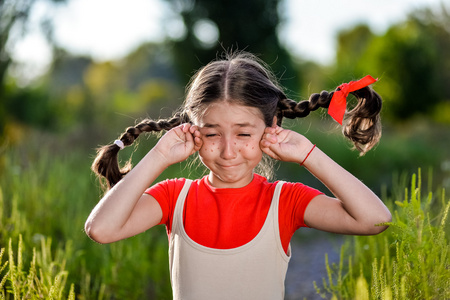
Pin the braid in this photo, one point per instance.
(363, 126)
(291, 109)
(106, 163)
(147, 125)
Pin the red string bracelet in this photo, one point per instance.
(314, 146)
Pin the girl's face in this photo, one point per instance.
(231, 134)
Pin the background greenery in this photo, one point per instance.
(50, 127)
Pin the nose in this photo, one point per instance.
(228, 150)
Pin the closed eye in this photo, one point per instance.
(244, 134)
(210, 135)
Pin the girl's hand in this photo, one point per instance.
(179, 143)
(126, 210)
(284, 145)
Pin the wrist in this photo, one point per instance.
(308, 154)
(158, 158)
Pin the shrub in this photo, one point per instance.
(44, 277)
(411, 260)
(48, 196)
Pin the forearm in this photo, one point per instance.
(355, 210)
(114, 209)
(356, 198)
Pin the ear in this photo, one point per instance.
(274, 123)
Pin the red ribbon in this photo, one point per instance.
(338, 103)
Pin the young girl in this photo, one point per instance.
(229, 231)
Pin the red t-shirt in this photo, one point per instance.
(231, 217)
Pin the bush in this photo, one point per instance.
(47, 191)
(411, 260)
(46, 276)
(45, 198)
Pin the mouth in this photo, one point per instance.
(228, 166)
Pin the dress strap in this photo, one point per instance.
(178, 211)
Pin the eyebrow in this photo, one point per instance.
(246, 124)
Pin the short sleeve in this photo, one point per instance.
(166, 193)
(294, 199)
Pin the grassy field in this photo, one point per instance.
(45, 199)
(411, 260)
(47, 192)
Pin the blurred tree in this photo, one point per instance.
(13, 22)
(438, 25)
(411, 58)
(214, 26)
(149, 60)
(66, 70)
(152, 76)
(91, 94)
(406, 58)
(351, 45)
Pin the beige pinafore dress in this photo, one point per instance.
(256, 270)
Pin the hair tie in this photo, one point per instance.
(120, 144)
(338, 102)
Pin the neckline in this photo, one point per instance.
(257, 179)
(267, 222)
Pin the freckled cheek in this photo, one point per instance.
(251, 147)
(239, 146)
(209, 147)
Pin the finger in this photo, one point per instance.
(179, 132)
(267, 144)
(269, 130)
(270, 138)
(269, 152)
(198, 134)
(198, 143)
(193, 128)
(264, 144)
(186, 127)
(189, 138)
(278, 129)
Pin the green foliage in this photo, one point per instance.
(401, 149)
(411, 260)
(31, 106)
(234, 31)
(47, 192)
(45, 199)
(45, 278)
(410, 59)
(14, 16)
(79, 94)
(351, 45)
(406, 57)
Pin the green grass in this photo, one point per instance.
(411, 260)
(47, 191)
(44, 202)
(43, 277)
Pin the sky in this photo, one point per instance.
(110, 29)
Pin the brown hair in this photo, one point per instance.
(243, 79)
